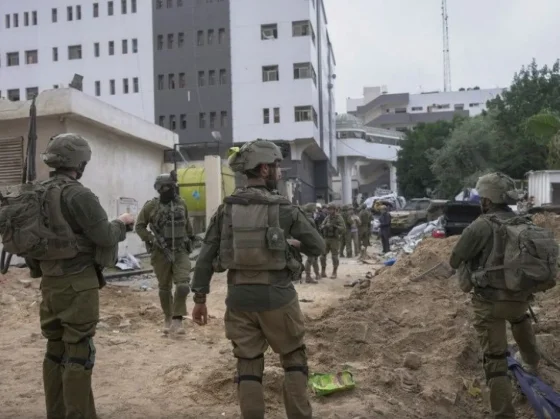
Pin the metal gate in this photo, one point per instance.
(11, 161)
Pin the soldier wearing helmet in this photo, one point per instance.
(493, 303)
(332, 228)
(69, 309)
(164, 225)
(309, 210)
(248, 237)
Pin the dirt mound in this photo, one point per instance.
(548, 220)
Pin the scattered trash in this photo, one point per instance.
(128, 263)
(390, 262)
(305, 300)
(325, 384)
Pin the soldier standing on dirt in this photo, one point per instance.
(364, 230)
(69, 309)
(309, 210)
(169, 241)
(492, 302)
(247, 237)
(332, 228)
(385, 228)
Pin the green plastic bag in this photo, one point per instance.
(325, 384)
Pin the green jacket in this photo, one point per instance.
(146, 215)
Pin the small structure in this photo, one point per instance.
(544, 185)
(127, 151)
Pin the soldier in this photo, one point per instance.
(169, 241)
(355, 231)
(69, 309)
(333, 228)
(365, 228)
(482, 269)
(247, 237)
(309, 209)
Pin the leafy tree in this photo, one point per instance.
(414, 158)
(547, 125)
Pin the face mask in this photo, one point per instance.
(168, 195)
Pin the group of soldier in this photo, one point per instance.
(250, 237)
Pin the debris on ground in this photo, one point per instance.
(548, 220)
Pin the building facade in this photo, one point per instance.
(401, 111)
(216, 72)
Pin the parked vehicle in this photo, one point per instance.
(416, 211)
(457, 215)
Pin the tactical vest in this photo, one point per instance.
(251, 238)
(329, 231)
(170, 220)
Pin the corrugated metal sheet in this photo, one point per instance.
(11, 161)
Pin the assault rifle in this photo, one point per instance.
(162, 245)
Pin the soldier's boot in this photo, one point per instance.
(166, 301)
(309, 280)
(167, 325)
(76, 379)
(531, 369)
(333, 276)
(177, 327)
(323, 271)
(52, 379)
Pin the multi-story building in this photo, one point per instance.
(246, 68)
(400, 111)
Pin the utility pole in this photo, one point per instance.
(446, 60)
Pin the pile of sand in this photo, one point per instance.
(548, 220)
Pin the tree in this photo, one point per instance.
(469, 153)
(547, 124)
(413, 160)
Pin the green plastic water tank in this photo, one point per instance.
(192, 186)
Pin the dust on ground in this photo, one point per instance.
(410, 346)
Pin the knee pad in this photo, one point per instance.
(182, 289)
(295, 361)
(500, 365)
(250, 369)
(81, 353)
(55, 351)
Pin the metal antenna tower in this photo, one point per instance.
(446, 60)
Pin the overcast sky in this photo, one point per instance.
(398, 43)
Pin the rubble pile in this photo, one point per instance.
(548, 220)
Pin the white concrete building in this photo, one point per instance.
(127, 151)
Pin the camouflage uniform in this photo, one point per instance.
(247, 237)
(332, 228)
(365, 228)
(69, 309)
(309, 209)
(169, 243)
(493, 307)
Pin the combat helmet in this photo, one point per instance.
(309, 208)
(252, 154)
(497, 187)
(165, 179)
(67, 151)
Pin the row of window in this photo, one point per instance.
(72, 13)
(457, 107)
(299, 28)
(74, 52)
(179, 3)
(301, 114)
(201, 38)
(205, 120)
(301, 71)
(126, 88)
(14, 94)
(215, 78)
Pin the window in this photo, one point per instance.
(223, 119)
(172, 122)
(13, 95)
(95, 9)
(160, 42)
(159, 4)
(133, 6)
(31, 92)
(212, 119)
(474, 105)
(31, 57)
(459, 107)
(223, 78)
(221, 35)
(182, 81)
(125, 86)
(26, 18)
(111, 48)
(180, 39)
(69, 13)
(55, 54)
(269, 31)
(75, 52)
(12, 58)
(97, 88)
(112, 87)
(160, 82)
(78, 12)
(125, 46)
(276, 115)
(54, 15)
(202, 120)
(303, 28)
(211, 77)
(123, 7)
(170, 41)
(201, 80)
(266, 116)
(210, 36)
(183, 121)
(169, 4)
(270, 73)
(400, 110)
(161, 121)
(416, 108)
(171, 81)
(16, 20)
(305, 71)
(303, 113)
(110, 9)
(200, 38)
(7, 21)
(34, 18)
(55, 86)
(96, 49)
(135, 85)
(445, 106)
(134, 46)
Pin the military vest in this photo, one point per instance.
(251, 239)
(329, 230)
(169, 220)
